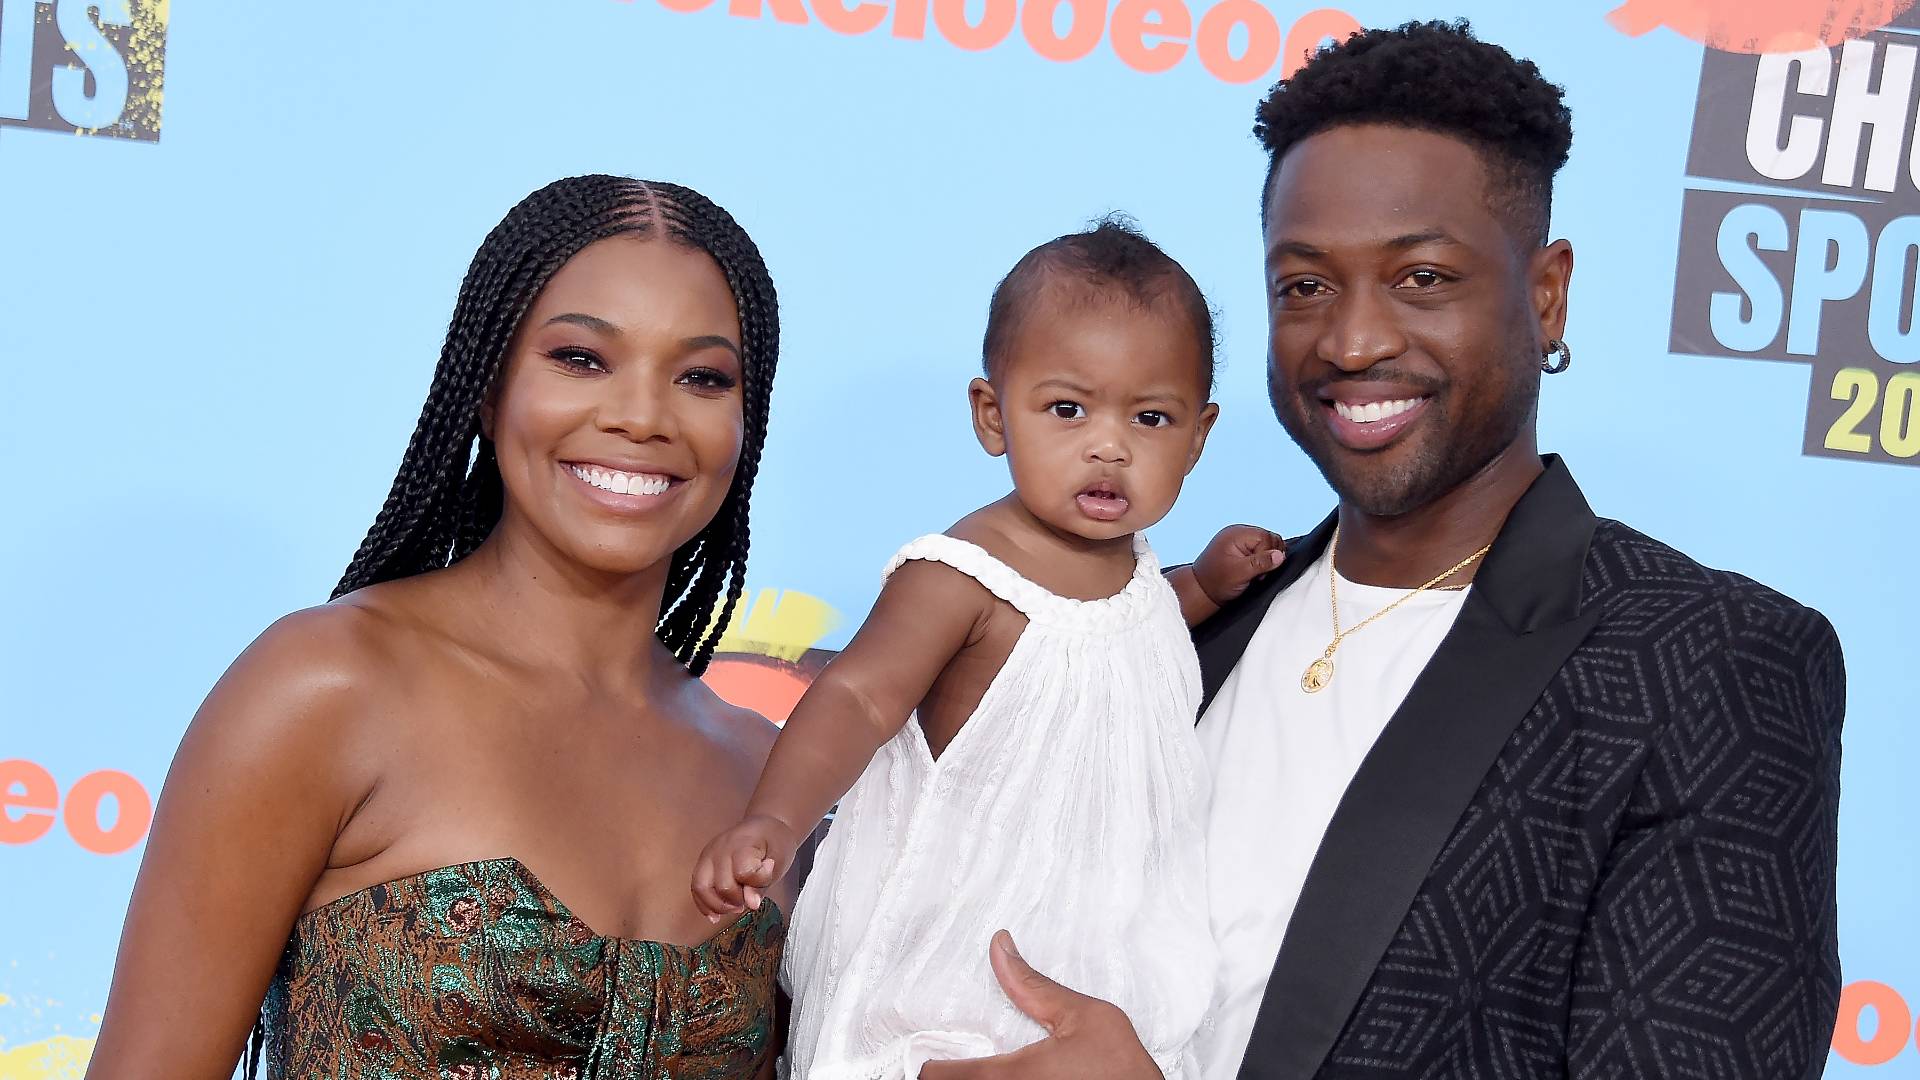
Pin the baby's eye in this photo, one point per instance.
(1067, 410)
(1154, 419)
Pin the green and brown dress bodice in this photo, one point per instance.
(478, 970)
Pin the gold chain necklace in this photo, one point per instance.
(1320, 672)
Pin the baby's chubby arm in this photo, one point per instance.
(925, 615)
(1234, 557)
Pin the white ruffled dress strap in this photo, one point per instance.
(1035, 602)
(972, 560)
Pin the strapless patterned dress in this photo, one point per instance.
(478, 970)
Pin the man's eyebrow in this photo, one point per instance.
(1425, 236)
(1294, 248)
(1301, 250)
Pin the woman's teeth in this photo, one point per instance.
(621, 483)
(1374, 411)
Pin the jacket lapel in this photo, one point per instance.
(1516, 629)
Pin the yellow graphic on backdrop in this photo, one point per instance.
(62, 1057)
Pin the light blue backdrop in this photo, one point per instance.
(212, 349)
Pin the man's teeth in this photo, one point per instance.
(621, 483)
(1374, 411)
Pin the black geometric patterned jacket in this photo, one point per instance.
(1596, 840)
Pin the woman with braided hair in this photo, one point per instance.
(373, 820)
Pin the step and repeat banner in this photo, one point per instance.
(231, 233)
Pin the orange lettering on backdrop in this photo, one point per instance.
(1263, 40)
(1089, 21)
(1759, 26)
(910, 19)
(1892, 1019)
(133, 813)
(1136, 20)
(835, 15)
(686, 7)
(995, 23)
(38, 796)
(787, 11)
(1309, 31)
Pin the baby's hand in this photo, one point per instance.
(1234, 557)
(739, 863)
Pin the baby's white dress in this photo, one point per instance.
(1069, 810)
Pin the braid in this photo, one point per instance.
(447, 495)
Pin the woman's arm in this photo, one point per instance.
(925, 615)
(245, 823)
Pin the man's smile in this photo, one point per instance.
(1369, 416)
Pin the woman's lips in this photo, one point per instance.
(619, 489)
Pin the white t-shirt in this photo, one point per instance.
(1282, 758)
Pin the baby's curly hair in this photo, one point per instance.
(1433, 76)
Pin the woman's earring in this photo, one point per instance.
(1552, 365)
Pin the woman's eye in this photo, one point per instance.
(1154, 419)
(577, 358)
(1066, 410)
(709, 379)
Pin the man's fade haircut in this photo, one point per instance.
(1433, 76)
(1110, 257)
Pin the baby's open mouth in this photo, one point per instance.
(1102, 502)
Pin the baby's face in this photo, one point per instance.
(1100, 406)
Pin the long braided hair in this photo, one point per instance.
(447, 495)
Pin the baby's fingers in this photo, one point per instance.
(754, 871)
(715, 890)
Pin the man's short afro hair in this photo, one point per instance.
(1433, 76)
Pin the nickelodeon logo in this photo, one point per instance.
(31, 804)
(89, 68)
(1236, 41)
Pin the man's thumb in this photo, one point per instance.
(1042, 999)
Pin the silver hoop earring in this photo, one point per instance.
(1556, 365)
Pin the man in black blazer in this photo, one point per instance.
(1584, 825)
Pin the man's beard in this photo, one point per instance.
(1447, 457)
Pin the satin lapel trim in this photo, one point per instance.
(1223, 639)
(1407, 798)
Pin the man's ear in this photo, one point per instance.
(989, 425)
(1549, 275)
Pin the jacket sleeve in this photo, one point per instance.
(1709, 946)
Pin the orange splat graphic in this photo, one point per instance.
(1759, 26)
(769, 687)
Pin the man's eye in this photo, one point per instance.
(1423, 279)
(1304, 289)
(1066, 410)
(1154, 419)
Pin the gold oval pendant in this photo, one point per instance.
(1319, 674)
